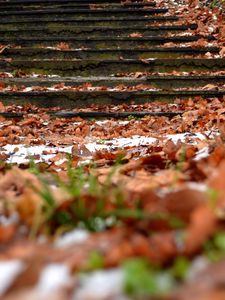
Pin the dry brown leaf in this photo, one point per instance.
(63, 46)
(138, 74)
(183, 209)
(135, 35)
(210, 87)
(202, 226)
(7, 233)
(222, 52)
(2, 107)
(2, 85)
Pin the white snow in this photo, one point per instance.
(204, 152)
(24, 151)
(183, 136)
(100, 285)
(53, 278)
(9, 270)
(201, 187)
(28, 89)
(198, 265)
(73, 237)
(12, 219)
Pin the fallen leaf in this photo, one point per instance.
(135, 35)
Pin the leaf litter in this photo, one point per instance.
(142, 218)
(114, 209)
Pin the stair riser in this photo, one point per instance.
(45, 53)
(106, 21)
(94, 44)
(44, 2)
(22, 7)
(157, 83)
(96, 68)
(82, 99)
(78, 14)
(52, 21)
(90, 32)
(90, 115)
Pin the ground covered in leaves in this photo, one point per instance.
(136, 202)
(115, 209)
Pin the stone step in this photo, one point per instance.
(157, 81)
(101, 42)
(94, 31)
(94, 114)
(110, 67)
(43, 2)
(51, 14)
(72, 5)
(70, 99)
(132, 53)
(91, 48)
(88, 21)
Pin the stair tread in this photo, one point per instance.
(81, 26)
(95, 92)
(112, 79)
(147, 38)
(84, 11)
(122, 61)
(91, 19)
(59, 1)
(75, 51)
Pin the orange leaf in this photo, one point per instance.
(136, 35)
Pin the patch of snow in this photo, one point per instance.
(201, 187)
(204, 152)
(197, 266)
(35, 75)
(210, 29)
(83, 162)
(53, 278)
(134, 141)
(9, 271)
(52, 89)
(100, 285)
(60, 161)
(13, 219)
(53, 75)
(106, 121)
(9, 74)
(183, 136)
(120, 143)
(28, 89)
(73, 237)
(23, 153)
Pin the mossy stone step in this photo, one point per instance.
(70, 99)
(162, 82)
(132, 53)
(109, 67)
(101, 42)
(56, 5)
(94, 114)
(32, 2)
(88, 21)
(95, 31)
(51, 14)
(40, 23)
